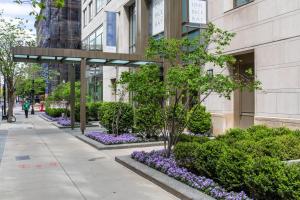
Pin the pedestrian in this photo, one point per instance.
(26, 107)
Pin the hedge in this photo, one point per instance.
(56, 112)
(249, 160)
(199, 121)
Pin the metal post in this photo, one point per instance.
(83, 95)
(4, 100)
(72, 94)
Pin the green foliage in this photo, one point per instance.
(192, 138)
(148, 120)
(77, 112)
(185, 154)
(93, 110)
(199, 121)
(62, 92)
(176, 117)
(56, 112)
(117, 117)
(24, 87)
(207, 156)
(269, 178)
(231, 167)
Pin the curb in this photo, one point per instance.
(101, 146)
(177, 188)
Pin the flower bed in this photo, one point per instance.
(60, 120)
(110, 139)
(157, 160)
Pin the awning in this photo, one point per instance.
(65, 56)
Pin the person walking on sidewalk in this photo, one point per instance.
(26, 107)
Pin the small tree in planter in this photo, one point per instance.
(185, 77)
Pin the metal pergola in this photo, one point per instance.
(82, 57)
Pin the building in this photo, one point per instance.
(267, 40)
(124, 26)
(61, 28)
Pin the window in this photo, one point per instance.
(100, 4)
(238, 3)
(90, 10)
(99, 38)
(84, 17)
(92, 43)
(132, 28)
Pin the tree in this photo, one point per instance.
(12, 34)
(186, 82)
(39, 5)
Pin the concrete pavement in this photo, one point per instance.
(42, 162)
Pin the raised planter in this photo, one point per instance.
(101, 146)
(178, 189)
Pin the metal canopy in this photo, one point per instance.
(82, 57)
(65, 56)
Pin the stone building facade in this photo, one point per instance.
(267, 40)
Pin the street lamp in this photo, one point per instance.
(32, 97)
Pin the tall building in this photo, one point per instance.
(267, 40)
(61, 28)
(124, 26)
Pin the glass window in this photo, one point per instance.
(132, 28)
(99, 38)
(84, 17)
(100, 4)
(92, 43)
(238, 3)
(90, 10)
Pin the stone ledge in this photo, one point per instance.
(101, 146)
(178, 189)
(76, 125)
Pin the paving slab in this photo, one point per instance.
(41, 161)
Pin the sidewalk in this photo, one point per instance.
(42, 162)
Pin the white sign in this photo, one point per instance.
(158, 16)
(197, 11)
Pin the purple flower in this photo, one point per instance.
(60, 120)
(109, 139)
(157, 160)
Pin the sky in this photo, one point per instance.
(13, 10)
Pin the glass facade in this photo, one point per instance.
(95, 85)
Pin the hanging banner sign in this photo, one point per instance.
(197, 11)
(158, 16)
(111, 32)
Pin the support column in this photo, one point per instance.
(173, 18)
(72, 94)
(142, 26)
(83, 95)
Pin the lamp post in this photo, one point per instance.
(32, 97)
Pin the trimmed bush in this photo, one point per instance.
(231, 167)
(77, 112)
(56, 112)
(192, 138)
(270, 179)
(199, 121)
(207, 156)
(148, 120)
(117, 117)
(185, 154)
(93, 109)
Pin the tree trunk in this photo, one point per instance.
(11, 99)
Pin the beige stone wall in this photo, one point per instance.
(271, 28)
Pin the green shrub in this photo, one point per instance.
(231, 167)
(185, 154)
(117, 117)
(57, 112)
(199, 121)
(233, 135)
(207, 156)
(77, 112)
(269, 178)
(178, 115)
(148, 120)
(192, 138)
(93, 109)
(284, 147)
